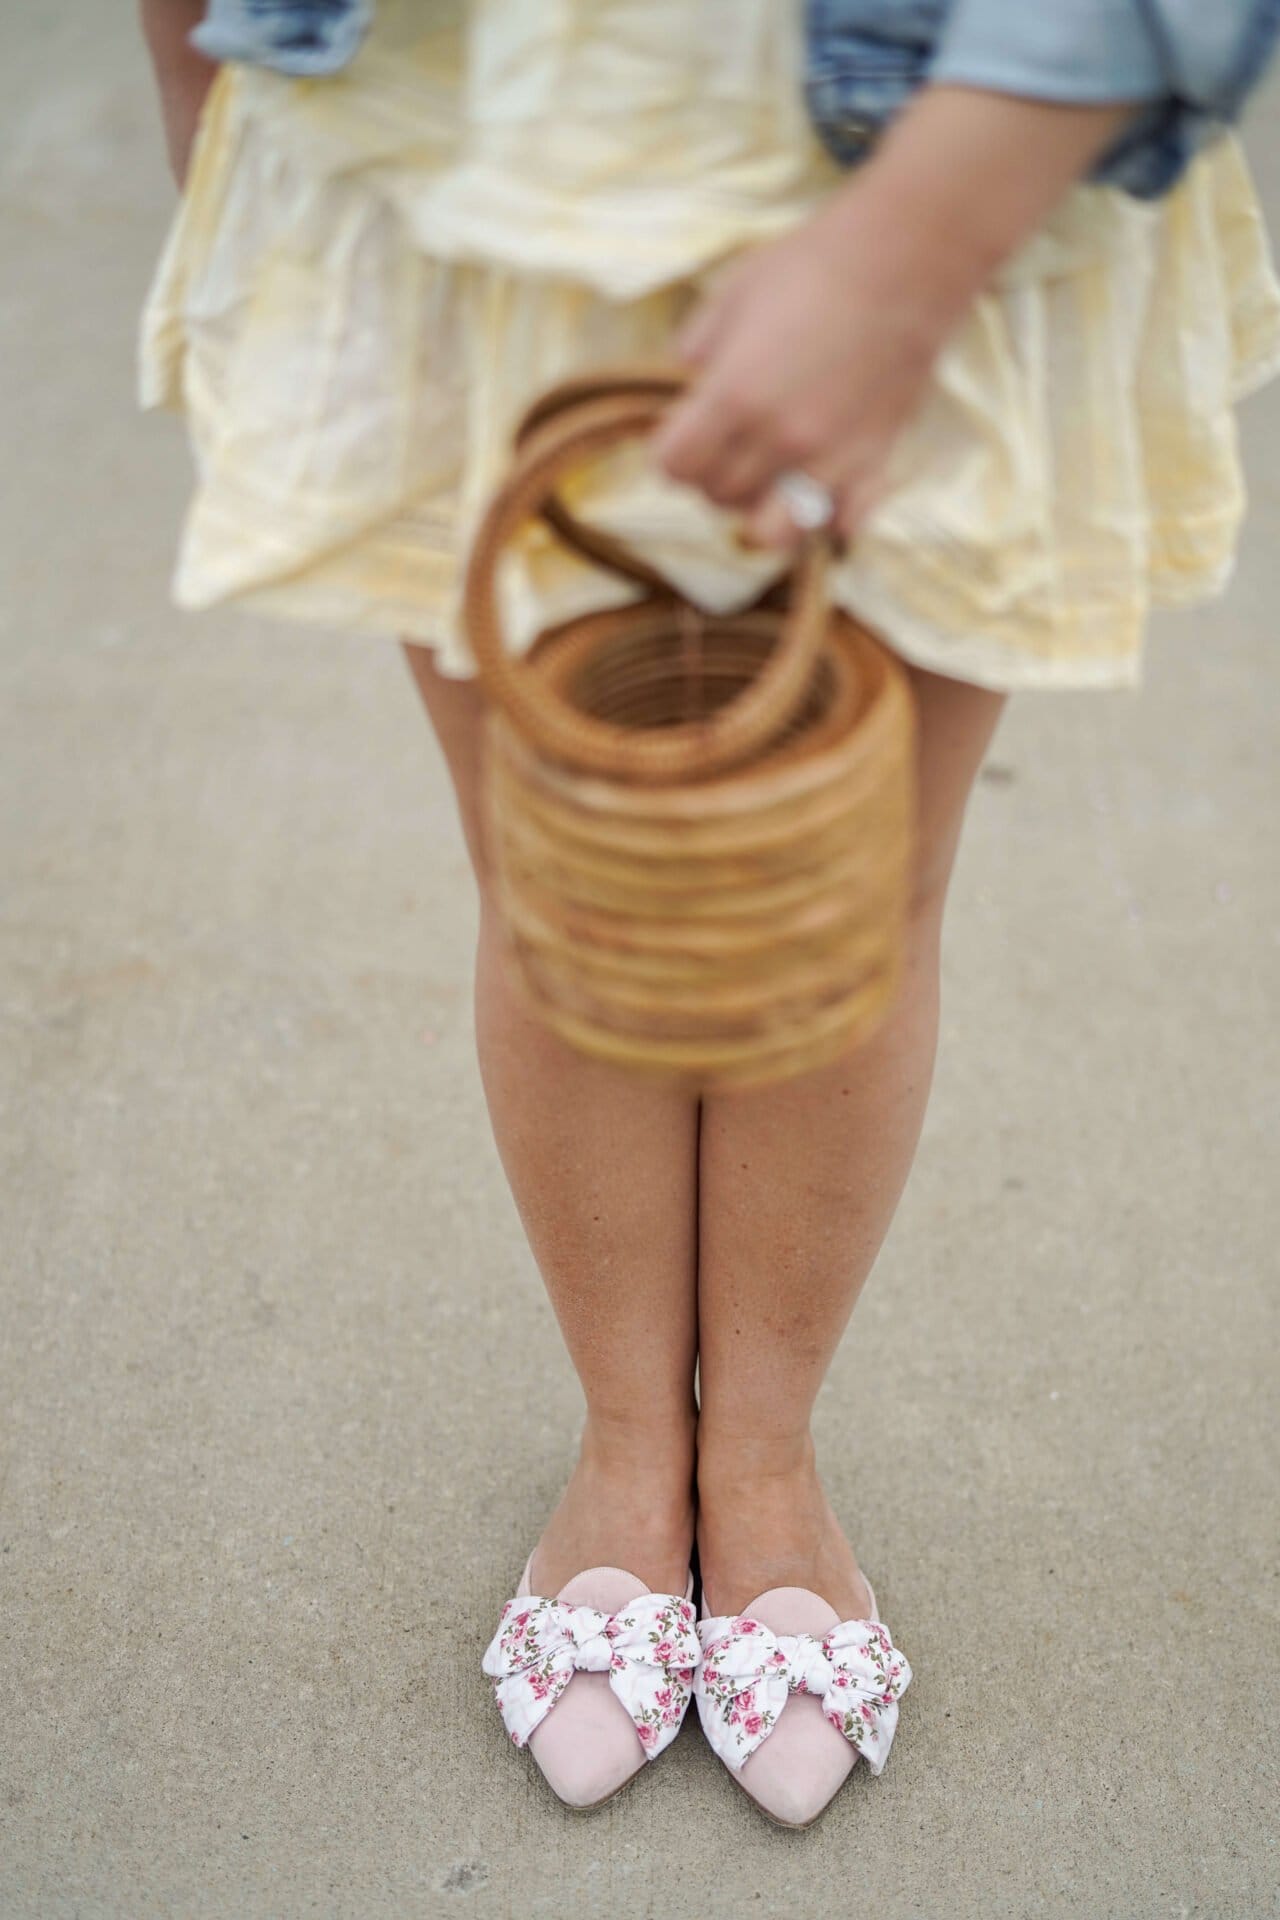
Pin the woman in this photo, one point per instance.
(1014, 389)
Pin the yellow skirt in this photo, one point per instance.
(363, 287)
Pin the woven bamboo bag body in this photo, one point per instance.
(701, 825)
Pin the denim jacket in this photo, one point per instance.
(1188, 64)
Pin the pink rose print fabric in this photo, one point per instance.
(748, 1673)
(649, 1650)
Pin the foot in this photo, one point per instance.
(763, 1522)
(629, 1504)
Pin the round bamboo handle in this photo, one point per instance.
(581, 424)
(662, 381)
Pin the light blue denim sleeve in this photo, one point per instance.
(305, 38)
(1206, 54)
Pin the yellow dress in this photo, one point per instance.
(370, 275)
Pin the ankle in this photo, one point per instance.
(729, 1456)
(653, 1445)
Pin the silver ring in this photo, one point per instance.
(810, 505)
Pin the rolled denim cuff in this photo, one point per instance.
(1090, 52)
(1216, 53)
(1207, 54)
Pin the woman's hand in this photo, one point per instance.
(814, 351)
(811, 354)
(182, 75)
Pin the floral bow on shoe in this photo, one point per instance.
(748, 1674)
(649, 1649)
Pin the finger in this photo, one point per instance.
(771, 525)
(742, 475)
(696, 436)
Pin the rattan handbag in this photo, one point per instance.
(700, 824)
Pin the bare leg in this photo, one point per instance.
(604, 1173)
(798, 1187)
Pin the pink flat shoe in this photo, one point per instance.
(596, 1681)
(789, 1695)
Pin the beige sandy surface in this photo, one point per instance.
(283, 1404)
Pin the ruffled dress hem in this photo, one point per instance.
(350, 395)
